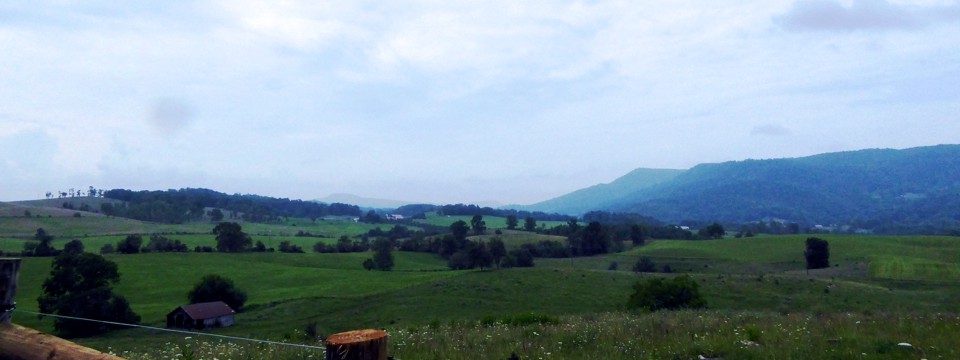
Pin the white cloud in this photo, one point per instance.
(770, 130)
(297, 97)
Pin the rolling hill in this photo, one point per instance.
(599, 196)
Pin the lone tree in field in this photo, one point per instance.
(497, 250)
(382, 254)
(459, 230)
(713, 231)
(80, 285)
(74, 247)
(44, 247)
(478, 225)
(592, 240)
(512, 222)
(217, 288)
(231, 238)
(682, 292)
(480, 255)
(42, 235)
(817, 253)
(529, 224)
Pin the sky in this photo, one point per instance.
(456, 101)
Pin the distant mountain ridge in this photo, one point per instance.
(598, 196)
(383, 203)
(877, 188)
(363, 201)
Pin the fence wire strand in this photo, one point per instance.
(175, 330)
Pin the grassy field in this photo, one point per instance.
(881, 291)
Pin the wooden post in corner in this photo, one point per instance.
(9, 274)
(18, 342)
(357, 345)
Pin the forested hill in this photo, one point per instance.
(599, 196)
(176, 206)
(887, 190)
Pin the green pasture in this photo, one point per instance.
(931, 258)
(158, 282)
(329, 228)
(95, 243)
(762, 276)
(411, 300)
(74, 227)
(514, 238)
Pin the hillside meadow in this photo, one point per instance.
(881, 291)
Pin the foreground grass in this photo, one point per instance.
(663, 335)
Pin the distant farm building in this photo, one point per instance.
(201, 316)
(394, 217)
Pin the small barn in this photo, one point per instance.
(201, 316)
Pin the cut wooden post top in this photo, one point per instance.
(355, 336)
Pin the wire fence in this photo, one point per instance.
(192, 333)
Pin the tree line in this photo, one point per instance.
(470, 210)
(179, 206)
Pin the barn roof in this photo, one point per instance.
(207, 310)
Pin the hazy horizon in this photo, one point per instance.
(442, 103)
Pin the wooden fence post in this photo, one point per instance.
(9, 274)
(20, 343)
(357, 345)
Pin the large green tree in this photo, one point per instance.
(130, 244)
(382, 254)
(593, 240)
(42, 235)
(512, 222)
(478, 225)
(497, 250)
(529, 224)
(231, 238)
(480, 255)
(214, 287)
(713, 231)
(74, 247)
(43, 246)
(80, 285)
(459, 230)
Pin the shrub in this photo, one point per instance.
(645, 265)
(130, 245)
(287, 247)
(681, 292)
(107, 249)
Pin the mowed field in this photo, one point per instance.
(287, 292)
